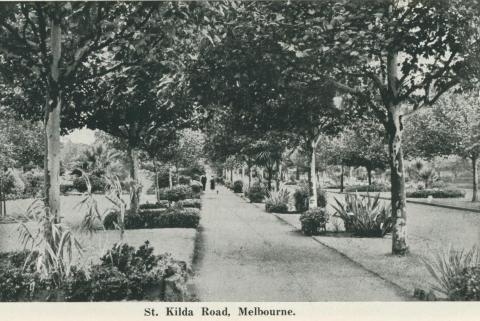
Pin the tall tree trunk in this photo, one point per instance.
(52, 126)
(297, 173)
(249, 175)
(277, 182)
(136, 188)
(231, 175)
(313, 175)
(157, 187)
(369, 174)
(170, 177)
(269, 179)
(342, 187)
(475, 179)
(399, 208)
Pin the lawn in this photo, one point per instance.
(177, 241)
(431, 229)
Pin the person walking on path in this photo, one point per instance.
(204, 182)
(212, 183)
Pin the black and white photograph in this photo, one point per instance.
(187, 152)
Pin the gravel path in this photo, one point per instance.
(244, 254)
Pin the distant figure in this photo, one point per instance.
(212, 184)
(204, 182)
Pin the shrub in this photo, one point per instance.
(365, 215)
(237, 186)
(173, 217)
(368, 188)
(436, 193)
(229, 185)
(13, 185)
(184, 180)
(302, 196)
(124, 273)
(196, 203)
(34, 182)
(177, 193)
(195, 170)
(256, 193)
(196, 186)
(277, 202)
(161, 204)
(98, 184)
(457, 274)
(314, 220)
(65, 188)
(220, 180)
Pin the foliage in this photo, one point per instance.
(302, 196)
(365, 216)
(55, 242)
(97, 183)
(368, 188)
(172, 217)
(277, 202)
(256, 193)
(161, 204)
(196, 186)
(21, 142)
(456, 273)
(196, 203)
(314, 220)
(176, 193)
(437, 193)
(238, 186)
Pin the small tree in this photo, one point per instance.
(452, 127)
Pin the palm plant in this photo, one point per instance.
(364, 216)
(99, 159)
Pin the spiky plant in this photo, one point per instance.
(447, 268)
(54, 242)
(364, 215)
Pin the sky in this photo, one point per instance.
(83, 136)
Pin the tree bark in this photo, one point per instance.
(399, 209)
(475, 179)
(52, 126)
(170, 178)
(297, 173)
(136, 188)
(341, 179)
(249, 175)
(157, 187)
(313, 200)
(369, 174)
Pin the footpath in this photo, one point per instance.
(245, 254)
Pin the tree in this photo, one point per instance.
(364, 145)
(49, 49)
(20, 144)
(452, 127)
(397, 57)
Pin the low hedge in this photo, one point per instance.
(436, 193)
(174, 217)
(177, 193)
(195, 203)
(160, 204)
(368, 188)
(276, 208)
